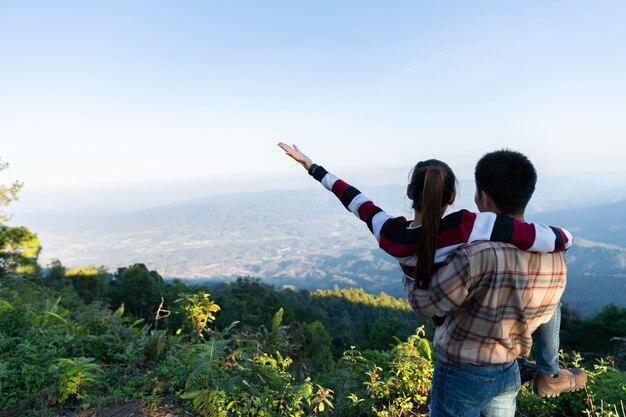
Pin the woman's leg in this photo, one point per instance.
(546, 345)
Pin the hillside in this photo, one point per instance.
(601, 223)
(247, 347)
(303, 238)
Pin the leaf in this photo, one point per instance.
(56, 316)
(137, 322)
(278, 318)
(119, 312)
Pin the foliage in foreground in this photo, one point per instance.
(58, 352)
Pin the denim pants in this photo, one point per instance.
(546, 344)
(473, 391)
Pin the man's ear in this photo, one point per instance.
(484, 198)
(488, 202)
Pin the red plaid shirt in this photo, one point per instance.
(494, 296)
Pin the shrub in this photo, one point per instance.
(73, 377)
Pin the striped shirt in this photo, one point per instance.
(494, 295)
(398, 237)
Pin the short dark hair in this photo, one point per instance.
(508, 177)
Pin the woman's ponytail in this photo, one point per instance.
(432, 187)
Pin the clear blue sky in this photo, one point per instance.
(148, 95)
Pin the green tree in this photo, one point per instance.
(7, 194)
(311, 347)
(55, 273)
(601, 333)
(139, 289)
(90, 282)
(19, 250)
(19, 247)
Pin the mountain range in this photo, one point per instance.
(304, 238)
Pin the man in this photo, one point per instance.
(495, 296)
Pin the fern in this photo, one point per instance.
(7, 343)
(206, 365)
(209, 403)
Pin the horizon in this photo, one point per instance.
(155, 195)
(132, 96)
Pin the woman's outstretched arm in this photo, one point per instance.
(398, 237)
(358, 204)
(297, 155)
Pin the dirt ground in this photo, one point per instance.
(132, 410)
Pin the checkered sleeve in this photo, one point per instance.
(449, 287)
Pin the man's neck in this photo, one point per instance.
(519, 217)
(419, 217)
(494, 209)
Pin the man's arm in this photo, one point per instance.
(449, 287)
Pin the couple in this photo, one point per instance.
(488, 279)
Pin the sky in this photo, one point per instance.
(124, 104)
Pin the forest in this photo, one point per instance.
(75, 338)
(81, 338)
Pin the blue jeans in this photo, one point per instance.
(473, 391)
(546, 344)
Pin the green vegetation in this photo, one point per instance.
(7, 194)
(351, 316)
(58, 351)
(603, 335)
(73, 338)
(62, 348)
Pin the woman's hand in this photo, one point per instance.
(295, 153)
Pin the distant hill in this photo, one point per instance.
(596, 276)
(303, 238)
(601, 223)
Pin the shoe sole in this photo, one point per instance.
(553, 394)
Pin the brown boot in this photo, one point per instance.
(564, 381)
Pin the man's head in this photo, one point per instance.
(505, 181)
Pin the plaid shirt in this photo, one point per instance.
(494, 296)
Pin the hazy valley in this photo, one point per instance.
(306, 238)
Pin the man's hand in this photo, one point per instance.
(298, 156)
